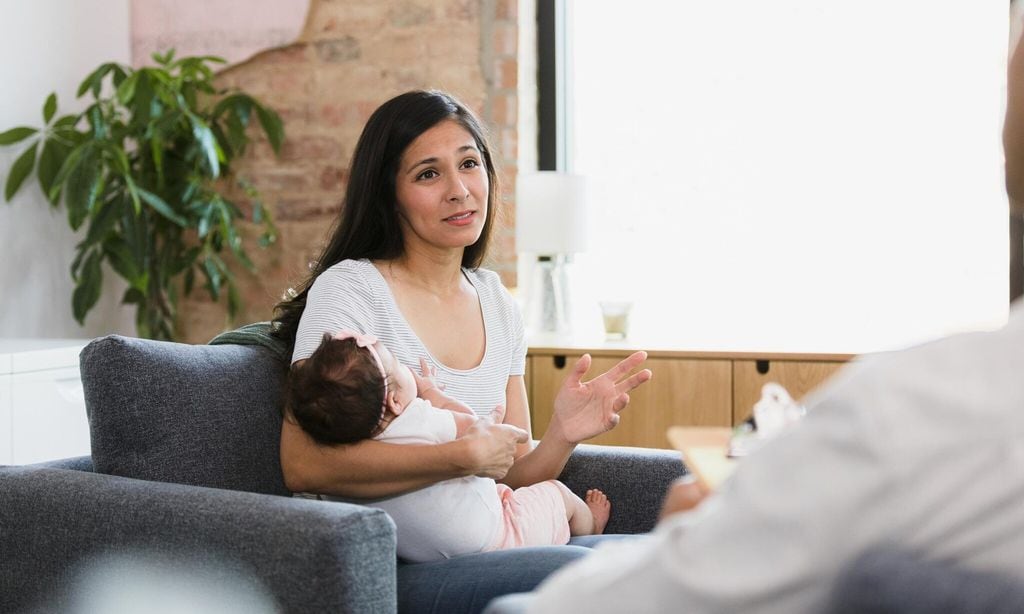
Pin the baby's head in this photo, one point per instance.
(345, 389)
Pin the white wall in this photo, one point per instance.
(50, 45)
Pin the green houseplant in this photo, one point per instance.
(140, 169)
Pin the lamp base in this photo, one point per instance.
(549, 296)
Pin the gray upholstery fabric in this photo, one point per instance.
(189, 414)
(77, 463)
(888, 580)
(635, 480)
(312, 556)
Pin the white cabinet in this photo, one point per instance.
(42, 408)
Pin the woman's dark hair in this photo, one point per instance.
(337, 394)
(368, 225)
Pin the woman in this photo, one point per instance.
(403, 264)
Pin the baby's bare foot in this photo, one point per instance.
(600, 507)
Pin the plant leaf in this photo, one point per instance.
(161, 207)
(213, 276)
(68, 121)
(81, 185)
(123, 261)
(119, 76)
(156, 147)
(206, 140)
(20, 170)
(126, 91)
(133, 191)
(95, 80)
(185, 261)
(100, 130)
(233, 301)
(51, 158)
(88, 286)
(240, 103)
(223, 142)
(49, 108)
(70, 162)
(103, 221)
(14, 135)
(272, 125)
(132, 296)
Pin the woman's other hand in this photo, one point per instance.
(491, 447)
(587, 409)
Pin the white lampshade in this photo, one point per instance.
(550, 213)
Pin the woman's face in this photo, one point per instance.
(442, 189)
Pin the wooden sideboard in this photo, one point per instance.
(689, 388)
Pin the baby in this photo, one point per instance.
(353, 388)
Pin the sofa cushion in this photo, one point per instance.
(889, 579)
(190, 414)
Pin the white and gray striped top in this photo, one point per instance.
(352, 294)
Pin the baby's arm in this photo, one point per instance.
(427, 388)
(463, 422)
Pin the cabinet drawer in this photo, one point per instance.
(797, 377)
(682, 392)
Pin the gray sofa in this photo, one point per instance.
(185, 467)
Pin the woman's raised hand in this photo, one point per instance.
(491, 447)
(587, 409)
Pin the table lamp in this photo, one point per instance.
(551, 226)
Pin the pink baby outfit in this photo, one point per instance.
(532, 516)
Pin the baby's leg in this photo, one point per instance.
(585, 517)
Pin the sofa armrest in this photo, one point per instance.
(635, 480)
(76, 463)
(311, 556)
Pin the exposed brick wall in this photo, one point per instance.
(352, 56)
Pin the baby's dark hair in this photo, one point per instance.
(337, 394)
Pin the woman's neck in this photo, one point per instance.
(441, 274)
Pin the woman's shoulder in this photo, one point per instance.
(348, 279)
(492, 288)
(345, 273)
(486, 278)
(348, 267)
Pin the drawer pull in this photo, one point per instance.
(763, 366)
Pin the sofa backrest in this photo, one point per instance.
(190, 414)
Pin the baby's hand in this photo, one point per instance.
(426, 380)
(498, 415)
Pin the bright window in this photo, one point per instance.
(793, 175)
